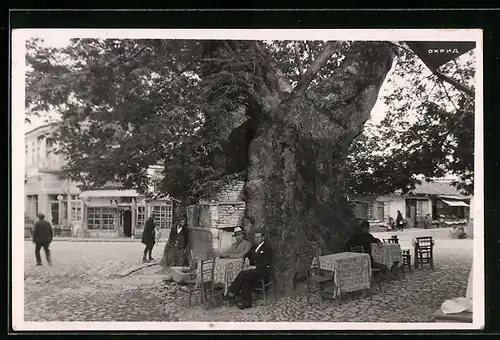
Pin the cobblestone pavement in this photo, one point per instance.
(83, 285)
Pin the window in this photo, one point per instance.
(163, 216)
(48, 148)
(26, 153)
(370, 211)
(141, 216)
(76, 211)
(32, 206)
(54, 211)
(38, 156)
(101, 218)
(33, 153)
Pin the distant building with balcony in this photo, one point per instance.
(108, 212)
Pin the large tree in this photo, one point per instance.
(281, 115)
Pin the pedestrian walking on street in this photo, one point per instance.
(42, 236)
(399, 221)
(148, 238)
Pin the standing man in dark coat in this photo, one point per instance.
(261, 256)
(148, 238)
(42, 236)
(178, 243)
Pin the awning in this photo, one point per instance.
(109, 193)
(455, 203)
(451, 197)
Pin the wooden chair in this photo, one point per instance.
(424, 247)
(357, 249)
(394, 239)
(316, 281)
(203, 281)
(406, 260)
(266, 286)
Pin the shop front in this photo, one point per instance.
(121, 213)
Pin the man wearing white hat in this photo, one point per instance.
(240, 248)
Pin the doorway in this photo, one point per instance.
(127, 223)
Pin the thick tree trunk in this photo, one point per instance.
(295, 186)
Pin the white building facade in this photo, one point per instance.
(94, 213)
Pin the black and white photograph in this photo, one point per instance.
(247, 179)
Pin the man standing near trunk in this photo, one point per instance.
(148, 238)
(42, 236)
(178, 243)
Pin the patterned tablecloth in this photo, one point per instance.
(352, 271)
(387, 254)
(226, 271)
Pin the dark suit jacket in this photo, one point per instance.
(179, 241)
(263, 258)
(42, 232)
(148, 235)
(363, 240)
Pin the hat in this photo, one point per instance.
(238, 231)
(40, 215)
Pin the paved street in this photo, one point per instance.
(84, 285)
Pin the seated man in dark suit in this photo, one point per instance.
(364, 239)
(261, 257)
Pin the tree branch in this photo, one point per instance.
(454, 83)
(448, 96)
(311, 72)
(297, 58)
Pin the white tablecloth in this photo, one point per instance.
(352, 271)
(387, 254)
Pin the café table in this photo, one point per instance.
(226, 270)
(387, 254)
(351, 271)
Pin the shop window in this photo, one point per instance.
(101, 218)
(76, 211)
(163, 216)
(141, 216)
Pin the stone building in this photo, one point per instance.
(95, 213)
(212, 222)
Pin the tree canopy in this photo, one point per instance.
(128, 104)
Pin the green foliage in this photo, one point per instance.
(194, 106)
(428, 132)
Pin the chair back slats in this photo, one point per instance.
(393, 239)
(425, 242)
(357, 249)
(424, 251)
(205, 270)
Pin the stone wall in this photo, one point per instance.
(232, 192)
(218, 216)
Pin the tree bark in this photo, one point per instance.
(295, 186)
